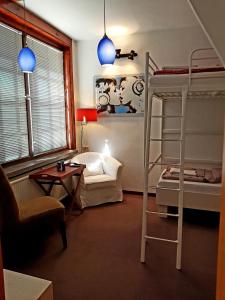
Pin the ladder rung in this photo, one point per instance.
(164, 164)
(161, 214)
(169, 99)
(169, 189)
(167, 116)
(160, 239)
(164, 188)
(152, 187)
(166, 140)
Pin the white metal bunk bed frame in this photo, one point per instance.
(150, 92)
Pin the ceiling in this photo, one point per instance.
(83, 19)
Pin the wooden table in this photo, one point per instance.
(51, 177)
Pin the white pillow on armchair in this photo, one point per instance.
(94, 168)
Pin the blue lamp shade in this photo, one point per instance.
(106, 51)
(27, 60)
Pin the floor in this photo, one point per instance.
(102, 258)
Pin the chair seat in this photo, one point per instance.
(40, 206)
(99, 181)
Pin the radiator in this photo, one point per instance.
(25, 189)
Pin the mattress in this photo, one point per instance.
(194, 187)
(197, 195)
(210, 80)
(186, 71)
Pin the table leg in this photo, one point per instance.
(49, 189)
(71, 196)
(66, 189)
(74, 194)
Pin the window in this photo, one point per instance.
(46, 120)
(13, 123)
(47, 98)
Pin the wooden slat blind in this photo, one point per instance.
(13, 122)
(47, 98)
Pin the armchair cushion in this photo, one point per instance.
(40, 206)
(99, 181)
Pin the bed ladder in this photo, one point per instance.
(148, 166)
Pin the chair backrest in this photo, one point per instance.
(87, 157)
(110, 165)
(9, 212)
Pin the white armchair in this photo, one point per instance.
(101, 181)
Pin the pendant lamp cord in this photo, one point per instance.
(104, 20)
(25, 24)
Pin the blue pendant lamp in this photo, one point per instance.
(26, 57)
(26, 60)
(106, 49)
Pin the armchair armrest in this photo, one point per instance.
(111, 166)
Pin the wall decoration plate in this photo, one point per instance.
(119, 94)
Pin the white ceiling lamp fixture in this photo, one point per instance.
(106, 49)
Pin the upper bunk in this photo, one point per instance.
(204, 76)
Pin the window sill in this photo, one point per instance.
(28, 166)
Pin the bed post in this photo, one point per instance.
(147, 131)
(146, 98)
(181, 180)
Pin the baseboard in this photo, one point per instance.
(138, 193)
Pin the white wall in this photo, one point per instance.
(204, 127)
(125, 134)
(211, 16)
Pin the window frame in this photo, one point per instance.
(12, 14)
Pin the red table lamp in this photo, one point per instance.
(85, 115)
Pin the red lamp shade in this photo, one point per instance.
(86, 114)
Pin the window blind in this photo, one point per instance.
(13, 121)
(47, 98)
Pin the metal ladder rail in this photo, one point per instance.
(181, 181)
(147, 131)
(146, 177)
(181, 185)
(180, 201)
(146, 98)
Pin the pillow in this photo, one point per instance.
(217, 174)
(186, 172)
(95, 168)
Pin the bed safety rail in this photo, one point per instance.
(202, 58)
(152, 65)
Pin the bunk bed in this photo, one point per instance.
(204, 78)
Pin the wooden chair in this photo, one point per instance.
(15, 217)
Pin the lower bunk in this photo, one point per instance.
(200, 195)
